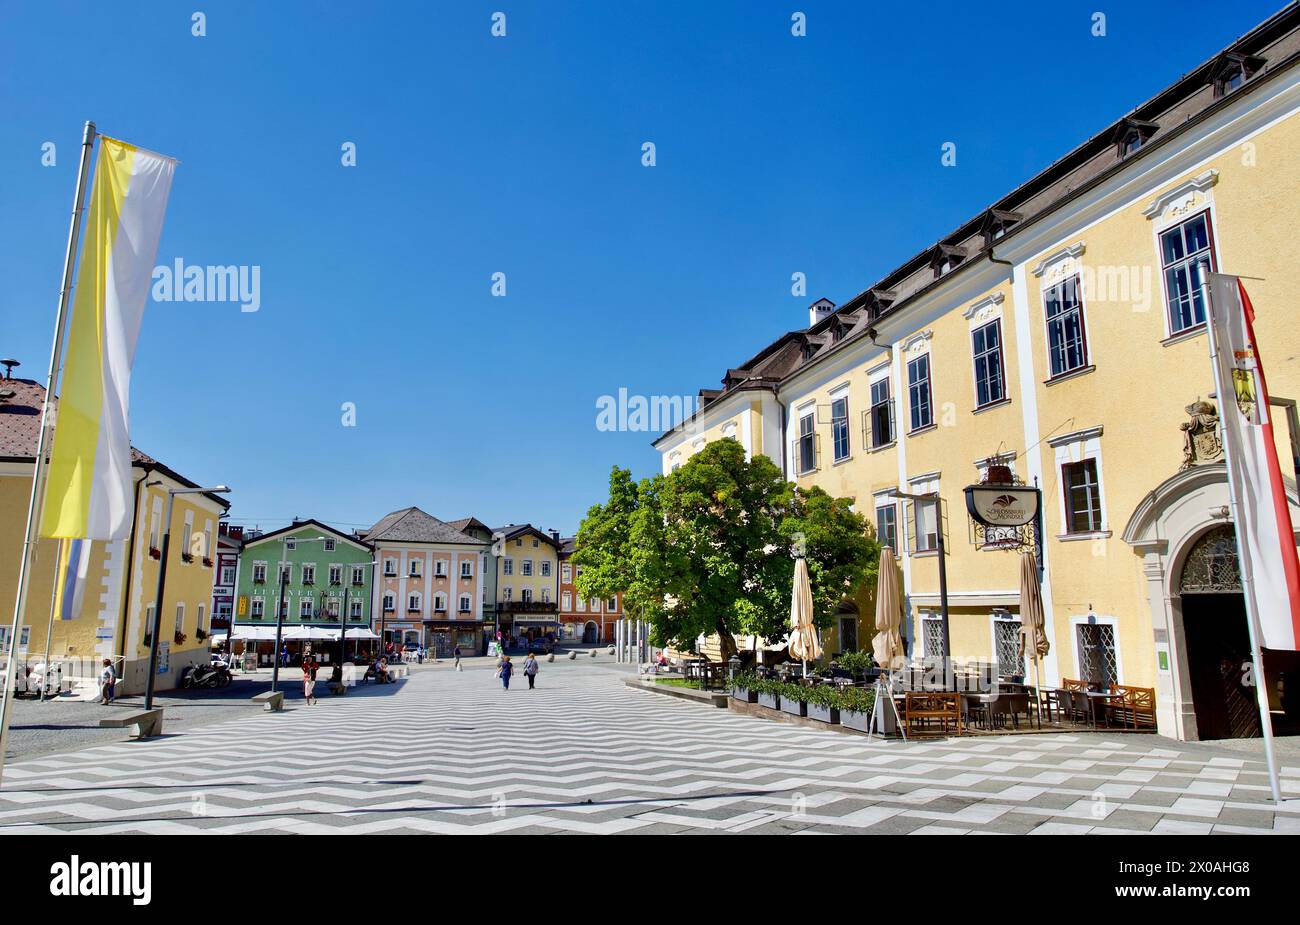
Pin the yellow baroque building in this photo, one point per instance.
(121, 579)
(1060, 333)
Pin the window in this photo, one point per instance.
(413, 603)
(389, 603)
(440, 568)
(390, 568)
(1181, 249)
(336, 575)
(259, 573)
(566, 601)
(840, 428)
(611, 605)
(414, 568)
(354, 610)
(305, 608)
(509, 594)
(986, 346)
(1067, 345)
(887, 525)
(464, 603)
(582, 605)
(546, 568)
(1098, 663)
(925, 516)
(180, 618)
(329, 545)
(187, 549)
(534, 544)
(440, 603)
(807, 445)
(566, 573)
(1006, 644)
(467, 569)
(291, 544)
(526, 596)
(199, 624)
(546, 595)
(595, 605)
(1082, 496)
(228, 574)
(882, 414)
(309, 574)
(918, 391)
(256, 608)
(358, 575)
(332, 608)
(207, 540)
(507, 566)
(848, 634)
(526, 568)
(932, 637)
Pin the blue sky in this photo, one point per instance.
(522, 155)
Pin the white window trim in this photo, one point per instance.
(1170, 220)
(1005, 616)
(1088, 359)
(1072, 448)
(1100, 620)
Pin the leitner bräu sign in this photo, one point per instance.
(1001, 505)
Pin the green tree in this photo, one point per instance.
(710, 548)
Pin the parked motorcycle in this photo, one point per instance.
(217, 675)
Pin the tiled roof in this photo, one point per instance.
(20, 425)
(412, 525)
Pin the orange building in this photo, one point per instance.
(583, 620)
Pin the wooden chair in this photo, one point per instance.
(1134, 707)
(923, 710)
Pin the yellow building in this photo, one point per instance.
(121, 581)
(528, 580)
(1057, 333)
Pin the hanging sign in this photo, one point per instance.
(994, 505)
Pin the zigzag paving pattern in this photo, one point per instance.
(452, 753)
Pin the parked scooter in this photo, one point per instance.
(217, 675)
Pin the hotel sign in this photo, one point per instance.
(994, 505)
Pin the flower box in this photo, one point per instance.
(186, 557)
(207, 562)
(744, 695)
(794, 707)
(824, 714)
(771, 701)
(155, 552)
(852, 719)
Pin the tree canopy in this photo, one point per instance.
(710, 548)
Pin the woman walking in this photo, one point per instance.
(309, 667)
(505, 671)
(530, 670)
(107, 681)
(456, 653)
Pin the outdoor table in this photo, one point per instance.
(1095, 698)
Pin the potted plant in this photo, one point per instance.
(187, 557)
(855, 705)
(794, 699)
(200, 635)
(769, 693)
(856, 663)
(742, 687)
(155, 552)
(179, 638)
(207, 562)
(823, 703)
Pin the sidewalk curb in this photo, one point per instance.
(718, 699)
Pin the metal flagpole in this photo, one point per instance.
(1226, 393)
(37, 500)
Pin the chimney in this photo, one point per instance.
(555, 535)
(9, 367)
(819, 310)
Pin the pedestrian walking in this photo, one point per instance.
(456, 653)
(505, 671)
(309, 666)
(530, 670)
(107, 681)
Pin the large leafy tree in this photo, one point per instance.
(710, 547)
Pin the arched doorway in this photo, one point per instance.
(1217, 638)
(846, 622)
(591, 632)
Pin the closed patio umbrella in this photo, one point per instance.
(1033, 624)
(887, 645)
(803, 635)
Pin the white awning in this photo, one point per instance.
(253, 632)
(361, 632)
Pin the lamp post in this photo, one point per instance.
(162, 579)
(934, 498)
(279, 611)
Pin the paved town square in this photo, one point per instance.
(451, 752)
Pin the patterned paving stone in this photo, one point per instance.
(452, 753)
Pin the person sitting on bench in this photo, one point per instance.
(380, 668)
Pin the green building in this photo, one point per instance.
(319, 572)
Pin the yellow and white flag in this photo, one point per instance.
(89, 489)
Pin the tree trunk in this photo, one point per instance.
(726, 642)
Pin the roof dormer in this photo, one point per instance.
(1231, 69)
(1131, 134)
(945, 258)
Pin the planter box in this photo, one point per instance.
(771, 701)
(824, 714)
(851, 719)
(794, 707)
(744, 695)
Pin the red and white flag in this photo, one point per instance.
(1264, 531)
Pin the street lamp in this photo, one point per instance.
(279, 611)
(933, 498)
(162, 579)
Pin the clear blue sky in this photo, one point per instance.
(522, 154)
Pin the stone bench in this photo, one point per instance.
(274, 700)
(148, 723)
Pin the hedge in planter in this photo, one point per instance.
(768, 692)
(792, 699)
(855, 704)
(822, 703)
(742, 687)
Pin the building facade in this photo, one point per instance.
(230, 540)
(111, 615)
(1061, 333)
(319, 572)
(528, 577)
(430, 590)
(583, 620)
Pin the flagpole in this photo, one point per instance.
(1227, 393)
(49, 629)
(37, 499)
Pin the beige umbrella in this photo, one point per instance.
(1033, 625)
(887, 646)
(803, 635)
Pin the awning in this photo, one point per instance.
(253, 632)
(361, 632)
